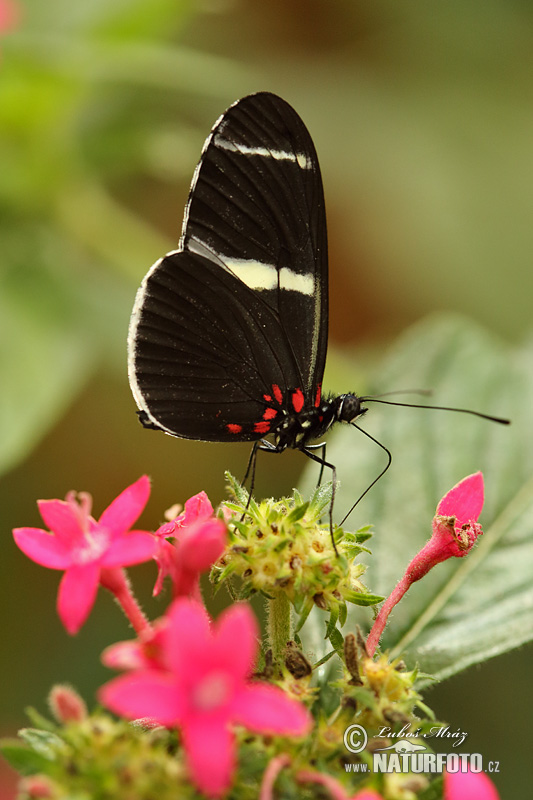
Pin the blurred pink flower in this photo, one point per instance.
(145, 652)
(455, 531)
(90, 552)
(10, 14)
(469, 786)
(200, 540)
(206, 689)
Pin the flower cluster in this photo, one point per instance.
(212, 714)
(282, 546)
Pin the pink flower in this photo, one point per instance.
(206, 689)
(200, 540)
(90, 552)
(469, 786)
(145, 652)
(455, 531)
(10, 14)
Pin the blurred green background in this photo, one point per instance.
(421, 115)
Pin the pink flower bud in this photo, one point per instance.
(455, 531)
(66, 704)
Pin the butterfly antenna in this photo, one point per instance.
(423, 392)
(491, 418)
(381, 474)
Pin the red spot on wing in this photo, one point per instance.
(270, 413)
(318, 395)
(268, 398)
(297, 400)
(233, 428)
(262, 427)
(278, 394)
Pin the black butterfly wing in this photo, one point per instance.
(225, 328)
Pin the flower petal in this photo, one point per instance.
(147, 693)
(267, 709)
(42, 547)
(465, 500)
(201, 545)
(61, 518)
(236, 640)
(197, 508)
(77, 593)
(124, 655)
(210, 749)
(134, 547)
(187, 637)
(463, 785)
(120, 515)
(164, 558)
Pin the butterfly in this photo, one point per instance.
(229, 332)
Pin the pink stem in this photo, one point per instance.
(336, 791)
(116, 581)
(271, 773)
(432, 553)
(381, 620)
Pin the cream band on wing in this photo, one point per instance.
(280, 155)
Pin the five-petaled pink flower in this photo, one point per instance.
(199, 540)
(455, 530)
(206, 689)
(466, 785)
(90, 552)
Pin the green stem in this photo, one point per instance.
(279, 624)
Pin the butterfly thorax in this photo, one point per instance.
(299, 429)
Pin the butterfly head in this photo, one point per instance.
(348, 407)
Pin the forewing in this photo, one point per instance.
(256, 208)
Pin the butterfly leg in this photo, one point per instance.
(250, 471)
(265, 445)
(323, 463)
(321, 446)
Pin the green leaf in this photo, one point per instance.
(38, 721)
(337, 640)
(22, 758)
(363, 598)
(45, 743)
(320, 499)
(332, 621)
(465, 610)
(296, 514)
(324, 659)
